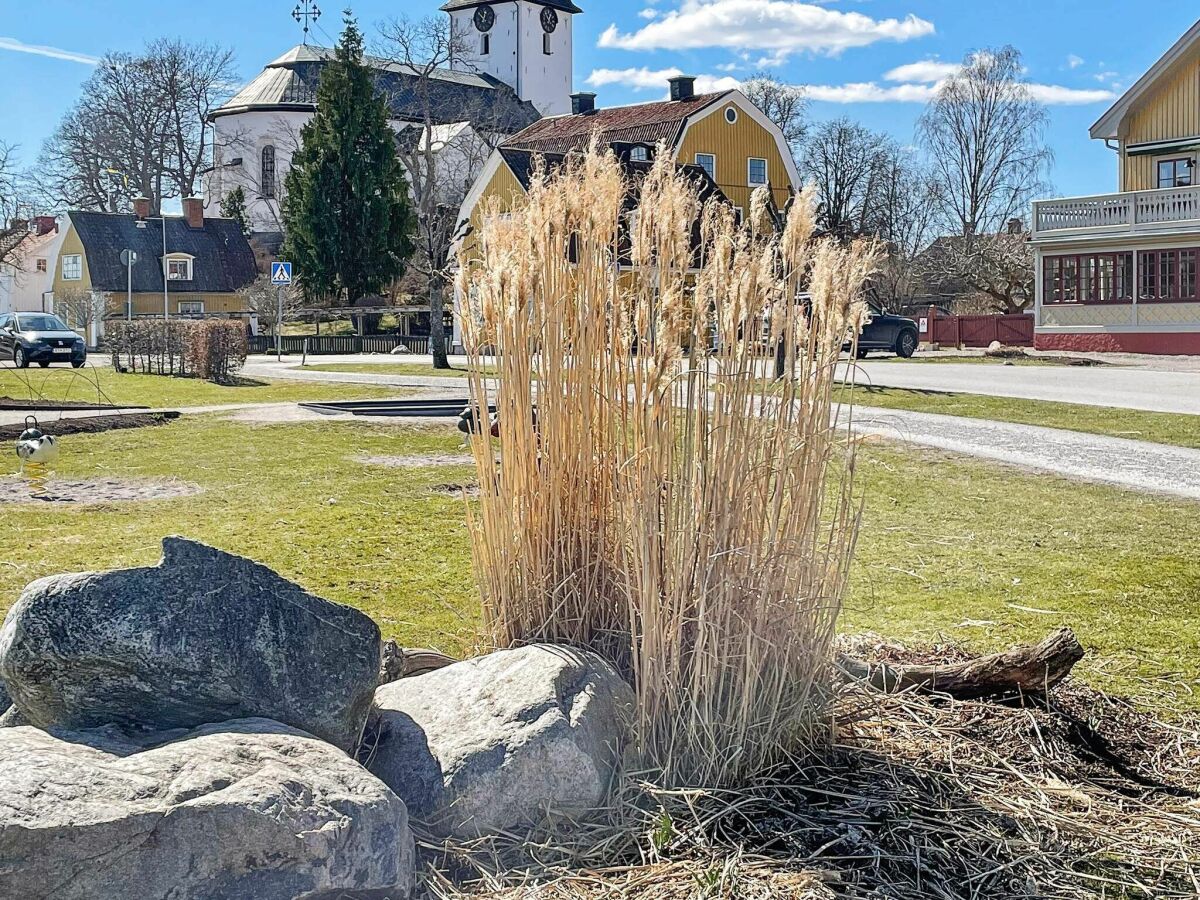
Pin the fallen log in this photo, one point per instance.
(1031, 669)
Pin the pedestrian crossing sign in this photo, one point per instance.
(281, 274)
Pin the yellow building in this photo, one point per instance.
(722, 137)
(1122, 271)
(201, 262)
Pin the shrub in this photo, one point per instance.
(676, 510)
(213, 349)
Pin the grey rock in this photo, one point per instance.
(245, 809)
(202, 637)
(493, 743)
(5, 700)
(12, 718)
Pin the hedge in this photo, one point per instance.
(213, 349)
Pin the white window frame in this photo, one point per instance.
(725, 115)
(75, 273)
(749, 169)
(189, 267)
(713, 157)
(739, 215)
(42, 266)
(639, 153)
(191, 307)
(1175, 157)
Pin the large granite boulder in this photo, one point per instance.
(492, 743)
(246, 809)
(202, 637)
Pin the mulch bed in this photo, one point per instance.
(12, 403)
(66, 492)
(92, 424)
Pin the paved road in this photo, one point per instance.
(1132, 388)
(1138, 465)
(264, 367)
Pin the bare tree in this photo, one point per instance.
(784, 104)
(905, 213)
(139, 127)
(442, 150)
(984, 135)
(846, 163)
(263, 300)
(997, 266)
(12, 208)
(82, 309)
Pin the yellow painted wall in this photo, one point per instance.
(734, 145)
(152, 304)
(1170, 112)
(503, 187)
(71, 246)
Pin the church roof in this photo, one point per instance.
(562, 5)
(289, 83)
(641, 123)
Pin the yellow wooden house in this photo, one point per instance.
(1121, 271)
(189, 265)
(721, 137)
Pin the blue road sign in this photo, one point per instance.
(281, 274)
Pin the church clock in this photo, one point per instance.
(485, 18)
(549, 20)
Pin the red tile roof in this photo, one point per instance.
(642, 123)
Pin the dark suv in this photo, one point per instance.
(895, 334)
(28, 337)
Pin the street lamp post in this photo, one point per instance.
(162, 220)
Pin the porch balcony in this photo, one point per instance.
(1165, 210)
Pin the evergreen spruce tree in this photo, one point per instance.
(233, 206)
(346, 210)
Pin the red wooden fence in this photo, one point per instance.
(976, 331)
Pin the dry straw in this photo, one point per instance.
(670, 504)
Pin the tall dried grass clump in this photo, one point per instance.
(669, 504)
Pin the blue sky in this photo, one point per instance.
(872, 60)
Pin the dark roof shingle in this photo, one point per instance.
(642, 123)
(224, 262)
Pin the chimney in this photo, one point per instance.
(141, 207)
(45, 225)
(683, 87)
(16, 225)
(583, 103)
(1016, 226)
(193, 211)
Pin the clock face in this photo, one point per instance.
(549, 20)
(485, 18)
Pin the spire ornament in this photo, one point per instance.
(306, 14)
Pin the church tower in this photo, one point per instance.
(524, 43)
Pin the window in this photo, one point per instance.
(72, 268)
(546, 44)
(267, 188)
(739, 215)
(485, 44)
(191, 307)
(1089, 278)
(639, 154)
(731, 114)
(43, 265)
(757, 171)
(1167, 275)
(708, 162)
(179, 269)
(1175, 172)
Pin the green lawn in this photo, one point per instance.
(949, 547)
(1162, 428)
(107, 386)
(386, 367)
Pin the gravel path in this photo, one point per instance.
(1138, 465)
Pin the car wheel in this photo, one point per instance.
(20, 360)
(78, 364)
(860, 352)
(906, 344)
(44, 365)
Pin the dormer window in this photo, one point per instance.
(639, 154)
(179, 268)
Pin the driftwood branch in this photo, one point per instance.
(1029, 669)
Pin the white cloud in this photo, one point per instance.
(1074, 62)
(870, 92)
(928, 71)
(648, 13)
(1055, 95)
(783, 26)
(644, 79)
(7, 43)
